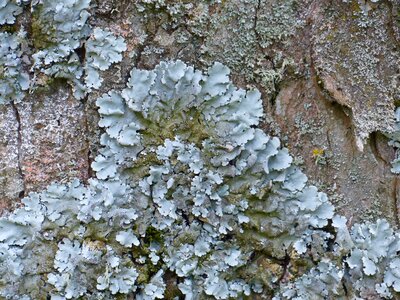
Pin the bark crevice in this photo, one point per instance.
(19, 148)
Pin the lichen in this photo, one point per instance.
(186, 185)
(213, 176)
(58, 52)
(8, 11)
(13, 78)
(64, 45)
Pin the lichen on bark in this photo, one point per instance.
(327, 72)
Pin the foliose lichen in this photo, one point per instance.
(59, 57)
(187, 187)
(13, 79)
(8, 11)
(182, 155)
(64, 45)
(363, 265)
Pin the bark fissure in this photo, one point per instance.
(396, 184)
(285, 266)
(257, 9)
(87, 129)
(373, 141)
(19, 148)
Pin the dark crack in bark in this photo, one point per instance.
(19, 148)
(396, 185)
(87, 129)
(81, 52)
(285, 265)
(257, 9)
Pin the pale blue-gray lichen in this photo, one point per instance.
(69, 30)
(8, 11)
(13, 79)
(186, 184)
(364, 265)
(59, 31)
(182, 158)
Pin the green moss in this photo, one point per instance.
(9, 28)
(153, 235)
(49, 85)
(187, 124)
(140, 167)
(119, 296)
(144, 276)
(185, 238)
(146, 272)
(355, 7)
(172, 292)
(98, 231)
(42, 35)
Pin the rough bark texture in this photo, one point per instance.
(328, 72)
